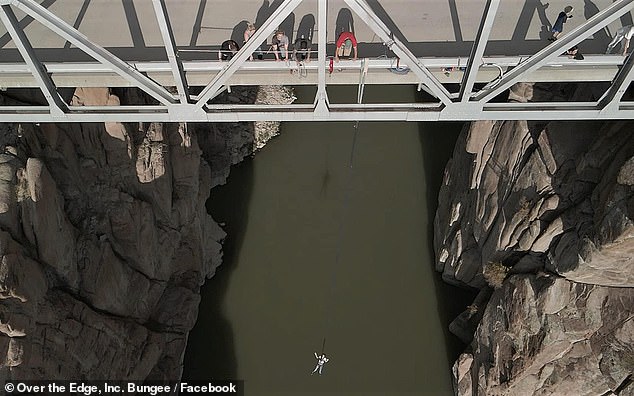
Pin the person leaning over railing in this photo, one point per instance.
(345, 44)
(228, 49)
(301, 49)
(280, 45)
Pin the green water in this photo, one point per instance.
(317, 250)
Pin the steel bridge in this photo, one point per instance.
(476, 79)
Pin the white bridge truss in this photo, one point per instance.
(169, 82)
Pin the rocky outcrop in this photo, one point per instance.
(227, 144)
(551, 205)
(545, 335)
(533, 196)
(105, 241)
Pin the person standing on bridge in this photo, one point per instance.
(624, 33)
(345, 44)
(558, 27)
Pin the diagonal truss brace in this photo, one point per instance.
(621, 82)
(477, 51)
(170, 48)
(57, 105)
(363, 10)
(279, 15)
(57, 25)
(591, 26)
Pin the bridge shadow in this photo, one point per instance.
(132, 18)
(453, 9)
(197, 27)
(526, 16)
(518, 41)
(79, 19)
(602, 37)
(387, 19)
(23, 23)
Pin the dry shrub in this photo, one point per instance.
(495, 273)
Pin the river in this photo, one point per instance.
(322, 255)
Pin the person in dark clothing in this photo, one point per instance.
(558, 27)
(227, 50)
(574, 53)
(301, 49)
(279, 44)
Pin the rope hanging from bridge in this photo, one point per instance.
(345, 207)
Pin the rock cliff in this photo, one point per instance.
(105, 240)
(543, 212)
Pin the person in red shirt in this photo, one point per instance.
(345, 44)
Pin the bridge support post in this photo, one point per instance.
(609, 102)
(479, 45)
(321, 99)
(162, 17)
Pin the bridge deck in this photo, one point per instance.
(199, 73)
(157, 44)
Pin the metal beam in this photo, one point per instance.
(621, 82)
(367, 15)
(337, 112)
(321, 98)
(10, 21)
(479, 45)
(72, 35)
(213, 88)
(162, 17)
(592, 25)
(562, 68)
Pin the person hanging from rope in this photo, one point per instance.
(345, 44)
(321, 360)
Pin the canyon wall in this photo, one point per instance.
(540, 214)
(105, 240)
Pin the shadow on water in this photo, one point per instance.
(210, 350)
(437, 141)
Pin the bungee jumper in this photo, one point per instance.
(321, 360)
